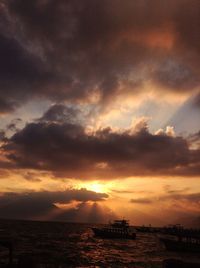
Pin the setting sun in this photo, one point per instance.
(98, 187)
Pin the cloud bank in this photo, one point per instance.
(42, 205)
(67, 148)
(96, 50)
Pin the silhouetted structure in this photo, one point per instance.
(118, 229)
(181, 239)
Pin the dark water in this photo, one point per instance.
(60, 245)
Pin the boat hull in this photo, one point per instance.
(112, 235)
(173, 245)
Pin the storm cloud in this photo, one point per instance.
(67, 148)
(78, 51)
(36, 205)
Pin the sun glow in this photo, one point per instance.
(96, 186)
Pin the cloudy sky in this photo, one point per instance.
(100, 110)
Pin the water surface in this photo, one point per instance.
(61, 245)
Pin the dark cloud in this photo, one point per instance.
(86, 212)
(142, 201)
(72, 51)
(169, 190)
(173, 195)
(33, 205)
(2, 135)
(130, 192)
(193, 198)
(195, 139)
(66, 148)
(13, 126)
(196, 100)
(6, 106)
(122, 191)
(82, 195)
(61, 113)
(21, 74)
(175, 75)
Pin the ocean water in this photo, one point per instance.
(60, 245)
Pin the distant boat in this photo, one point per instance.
(119, 229)
(189, 244)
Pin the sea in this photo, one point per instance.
(61, 245)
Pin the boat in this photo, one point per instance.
(119, 229)
(189, 244)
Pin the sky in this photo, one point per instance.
(100, 110)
